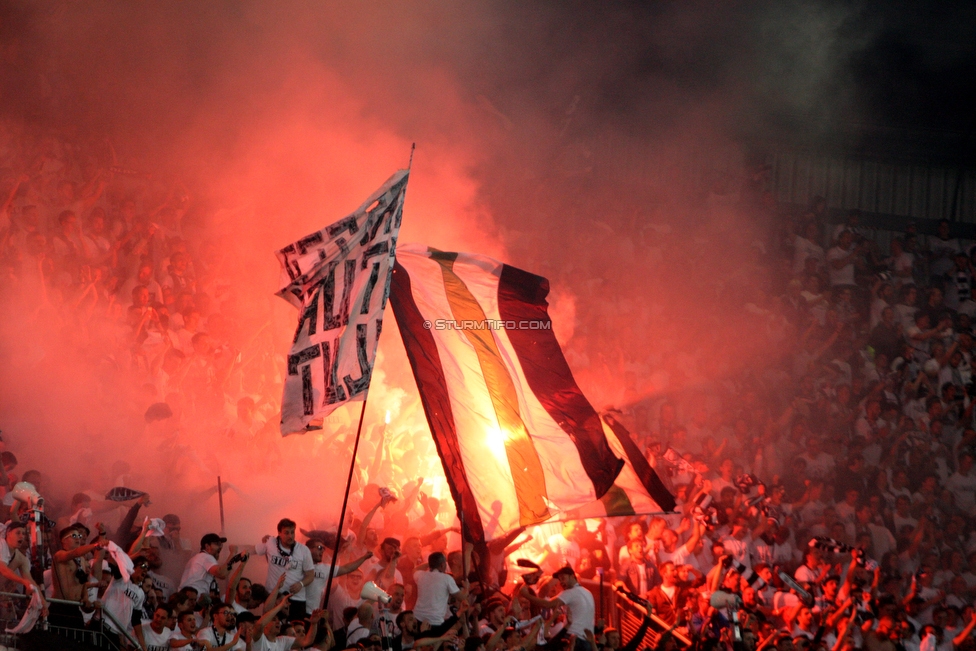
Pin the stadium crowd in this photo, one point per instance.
(826, 497)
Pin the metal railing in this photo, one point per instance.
(626, 616)
(94, 636)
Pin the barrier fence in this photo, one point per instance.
(96, 635)
(616, 611)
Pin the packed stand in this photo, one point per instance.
(826, 498)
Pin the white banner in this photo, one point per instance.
(339, 279)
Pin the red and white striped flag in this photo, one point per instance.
(519, 442)
(339, 279)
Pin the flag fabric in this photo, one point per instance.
(519, 442)
(638, 490)
(31, 614)
(339, 279)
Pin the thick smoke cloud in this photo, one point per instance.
(595, 144)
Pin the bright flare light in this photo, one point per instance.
(495, 439)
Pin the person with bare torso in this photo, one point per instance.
(70, 573)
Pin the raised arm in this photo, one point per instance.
(266, 617)
(273, 594)
(353, 565)
(364, 526)
(235, 578)
(313, 629)
(714, 578)
(140, 541)
(63, 556)
(966, 632)
(539, 601)
(696, 533)
(7, 572)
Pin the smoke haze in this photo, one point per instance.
(596, 144)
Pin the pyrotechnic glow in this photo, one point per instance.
(495, 438)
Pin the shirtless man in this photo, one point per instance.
(70, 573)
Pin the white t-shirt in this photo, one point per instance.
(679, 556)
(803, 249)
(356, 632)
(293, 564)
(738, 549)
(210, 635)
(582, 611)
(161, 582)
(844, 275)
(434, 590)
(339, 600)
(281, 643)
(156, 641)
(5, 554)
(315, 589)
(819, 467)
(197, 573)
(804, 574)
(963, 489)
(122, 599)
(178, 635)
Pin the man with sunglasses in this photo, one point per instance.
(222, 634)
(124, 599)
(70, 573)
(316, 589)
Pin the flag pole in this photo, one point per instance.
(220, 500)
(413, 148)
(345, 501)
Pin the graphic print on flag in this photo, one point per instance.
(519, 442)
(339, 279)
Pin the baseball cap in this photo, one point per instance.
(171, 518)
(211, 538)
(564, 571)
(391, 541)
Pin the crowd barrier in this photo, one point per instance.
(45, 636)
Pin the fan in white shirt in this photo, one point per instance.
(124, 599)
(316, 589)
(222, 634)
(156, 635)
(264, 636)
(289, 558)
(202, 571)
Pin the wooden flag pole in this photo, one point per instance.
(220, 501)
(342, 513)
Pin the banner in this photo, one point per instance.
(339, 279)
(519, 442)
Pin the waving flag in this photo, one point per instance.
(339, 279)
(519, 442)
(638, 489)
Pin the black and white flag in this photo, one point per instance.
(339, 279)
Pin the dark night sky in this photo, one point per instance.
(772, 66)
